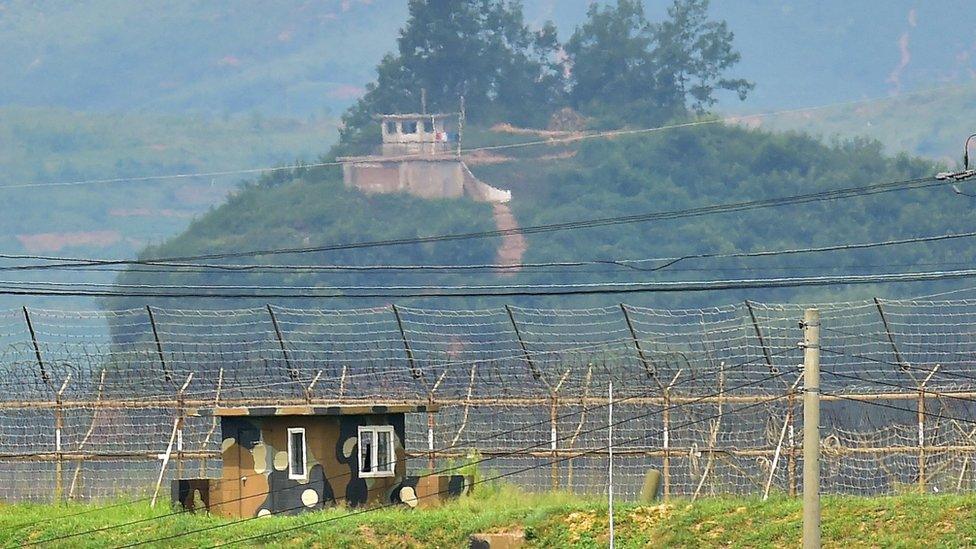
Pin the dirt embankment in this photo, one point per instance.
(513, 245)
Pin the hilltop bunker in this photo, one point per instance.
(416, 157)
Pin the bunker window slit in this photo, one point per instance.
(384, 462)
(366, 452)
(296, 453)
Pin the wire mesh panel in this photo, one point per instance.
(97, 405)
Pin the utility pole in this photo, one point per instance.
(811, 429)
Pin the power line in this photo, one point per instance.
(569, 272)
(836, 194)
(611, 284)
(625, 263)
(549, 141)
(523, 290)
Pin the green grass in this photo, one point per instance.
(550, 520)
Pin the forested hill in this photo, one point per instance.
(618, 69)
(678, 169)
(110, 89)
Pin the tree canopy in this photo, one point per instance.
(627, 68)
(617, 66)
(482, 50)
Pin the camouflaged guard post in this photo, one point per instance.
(258, 477)
(256, 480)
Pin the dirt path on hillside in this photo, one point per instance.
(513, 245)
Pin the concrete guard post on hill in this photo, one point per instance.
(811, 429)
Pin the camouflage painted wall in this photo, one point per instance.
(255, 465)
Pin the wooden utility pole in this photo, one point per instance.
(811, 429)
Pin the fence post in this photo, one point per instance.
(292, 372)
(213, 422)
(414, 371)
(536, 373)
(649, 366)
(921, 430)
(159, 346)
(58, 454)
(311, 387)
(713, 435)
(579, 426)
(175, 436)
(553, 419)
(891, 339)
(37, 348)
(791, 438)
(666, 436)
(180, 419)
(811, 429)
(430, 432)
(921, 439)
(88, 434)
(759, 335)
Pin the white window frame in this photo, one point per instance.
(291, 453)
(391, 459)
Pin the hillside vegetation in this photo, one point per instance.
(626, 69)
(552, 520)
(667, 171)
(104, 89)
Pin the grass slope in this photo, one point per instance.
(551, 520)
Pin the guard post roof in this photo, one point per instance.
(313, 410)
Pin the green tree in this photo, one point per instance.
(481, 49)
(693, 54)
(630, 69)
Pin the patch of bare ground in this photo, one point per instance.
(513, 245)
(484, 158)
